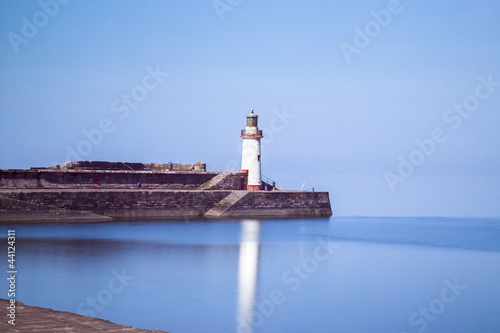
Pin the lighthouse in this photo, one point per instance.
(250, 159)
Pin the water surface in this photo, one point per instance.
(318, 275)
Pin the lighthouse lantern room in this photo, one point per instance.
(250, 159)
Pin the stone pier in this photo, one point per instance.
(100, 191)
(33, 319)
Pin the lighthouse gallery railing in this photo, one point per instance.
(244, 132)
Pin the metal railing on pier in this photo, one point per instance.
(270, 182)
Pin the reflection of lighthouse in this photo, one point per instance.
(250, 160)
(247, 273)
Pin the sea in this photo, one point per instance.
(339, 274)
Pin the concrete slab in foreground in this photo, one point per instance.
(35, 319)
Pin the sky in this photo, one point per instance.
(389, 94)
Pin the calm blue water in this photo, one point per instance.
(329, 275)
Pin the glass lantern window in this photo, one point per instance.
(252, 121)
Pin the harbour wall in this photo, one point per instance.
(116, 179)
(187, 204)
(281, 204)
(104, 165)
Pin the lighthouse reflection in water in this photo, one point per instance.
(248, 268)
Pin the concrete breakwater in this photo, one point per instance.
(111, 190)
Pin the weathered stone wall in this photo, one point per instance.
(103, 165)
(17, 210)
(142, 203)
(282, 204)
(106, 179)
(125, 203)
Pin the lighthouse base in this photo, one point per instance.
(253, 187)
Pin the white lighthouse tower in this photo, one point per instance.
(250, 159)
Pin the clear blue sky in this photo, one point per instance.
(324, 109)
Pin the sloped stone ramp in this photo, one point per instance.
(210, 184)
(226, 203)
